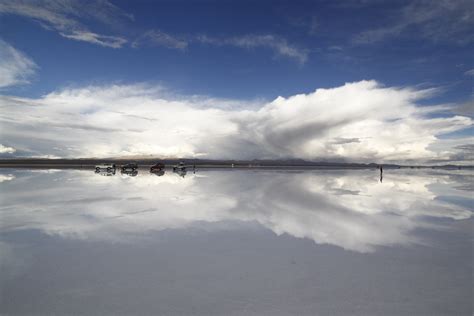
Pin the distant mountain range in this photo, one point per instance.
(209, 163)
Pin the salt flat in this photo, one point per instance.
(236, 242)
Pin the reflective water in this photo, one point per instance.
(229, 242)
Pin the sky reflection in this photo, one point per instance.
(349, 209)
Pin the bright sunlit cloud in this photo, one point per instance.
(361, 122)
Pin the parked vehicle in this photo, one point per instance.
(105, 167)
(105, 173)
(181, 166)
(158, 173)
(157, 167)
(131, 166)
(180, 172)
(130, 172)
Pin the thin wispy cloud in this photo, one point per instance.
(64, 17)
(309, 22)
(465, 108)
(68, 17)
(15, 67)
(279, 45)
(102, 40)
(469, 72)
(360, 121)
(434, 20)
(160, 38)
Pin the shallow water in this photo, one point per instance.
(237, 242)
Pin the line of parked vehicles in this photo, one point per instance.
(131, 169)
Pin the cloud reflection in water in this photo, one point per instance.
(350, 209)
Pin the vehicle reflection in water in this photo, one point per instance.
(180, 172)
(158, 173)
(157, 167)
(180, 169)
(106, 173)
(130, 173)
(130, 169)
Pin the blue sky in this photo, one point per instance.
(243, 54)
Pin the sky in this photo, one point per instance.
(360, 81)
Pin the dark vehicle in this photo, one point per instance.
(157, 167)
(179, 167)
(129, 167)
(130, 172)
(180, 172)
(158, 173)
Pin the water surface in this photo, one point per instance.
(236, 242)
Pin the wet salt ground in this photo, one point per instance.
(237, 243)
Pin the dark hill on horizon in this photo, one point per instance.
(208, 163)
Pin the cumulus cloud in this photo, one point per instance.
(6, 177)
(64, 16)
(6, 149)
(278, 44)
(434, 20)
(459, 150)
(15, 67)
(351, 210)
(361, 121)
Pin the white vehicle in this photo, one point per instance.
(108, 167)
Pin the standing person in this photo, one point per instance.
(381, 173)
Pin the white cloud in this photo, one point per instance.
(15, 67)
(64, 17)
(279, 45)
(140, 119)
(6, 177)
(6, 149)
(459, 150)
(160, 38)
(441, 20)
(102, 40)
(469, 72)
